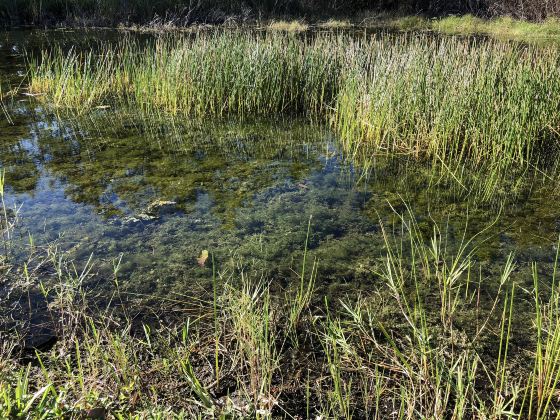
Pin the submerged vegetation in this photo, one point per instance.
(448, 99)
(427, 342)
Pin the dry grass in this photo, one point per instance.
(287, 26)
(335, 24)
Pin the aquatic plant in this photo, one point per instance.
(450, 99)
(287, 26)
(210, 75)
(3, 96)
(453, 99)
(502, 27)
(425, 343)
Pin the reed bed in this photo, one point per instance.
(207, 76)
(446, 98)
(455, 99)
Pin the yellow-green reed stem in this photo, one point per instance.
(448, 99)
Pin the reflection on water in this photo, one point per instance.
(158, 192)
(109, 187)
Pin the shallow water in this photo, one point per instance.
(153, 193)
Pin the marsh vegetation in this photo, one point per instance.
(280, 222)
(456, 100)
(435, 338)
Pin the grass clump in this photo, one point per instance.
(288, 26)
(454, 101)
(212, 75)
(449, 99)
(335, 24)
(502, 27)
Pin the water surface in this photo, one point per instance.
(153, 193)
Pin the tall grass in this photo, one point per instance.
(4, 95)
(501, 27)
(208, 76)
(449, 99)
(461, 100)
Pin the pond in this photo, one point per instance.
(155, 193)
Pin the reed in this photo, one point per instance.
(208, 76)
(5, 94)
(448, 99)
